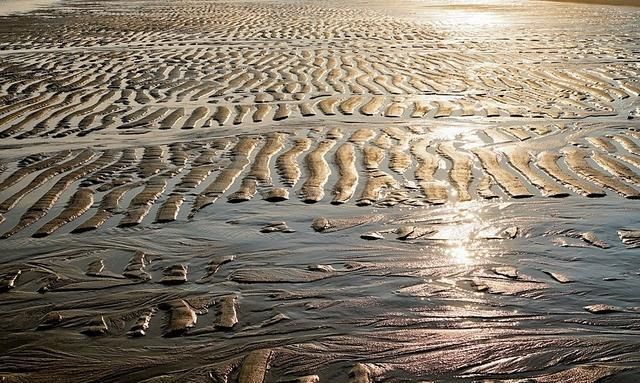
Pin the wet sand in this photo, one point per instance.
(8, 7)
(303, 192)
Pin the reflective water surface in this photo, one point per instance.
(340, 192)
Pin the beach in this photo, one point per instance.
(299, 191)
(8, 7)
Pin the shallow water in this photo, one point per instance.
(411, 307)
(504, 165)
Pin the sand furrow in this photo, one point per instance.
(79, 203)
(505, 179)
(287, 163)
(460, 172)
(227, 176)
(576, 160)
(345, 159)
(312, 189)
(520, 160)
(548, 161)
(434, 190)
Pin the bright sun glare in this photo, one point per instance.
(462, 247)
(470, 18)
(460, 255)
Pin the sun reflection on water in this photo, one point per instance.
(476, 13)
(460, 255)
(471, 17)
(462, 246)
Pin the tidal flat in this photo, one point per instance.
(303, 191)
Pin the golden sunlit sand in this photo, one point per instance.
(298, 191)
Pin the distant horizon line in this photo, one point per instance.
(630, 3)
(9, 7)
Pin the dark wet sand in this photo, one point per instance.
(303, 192)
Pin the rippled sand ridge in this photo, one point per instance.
(305, 191)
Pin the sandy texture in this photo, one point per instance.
(8, 7)
(304, 191)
